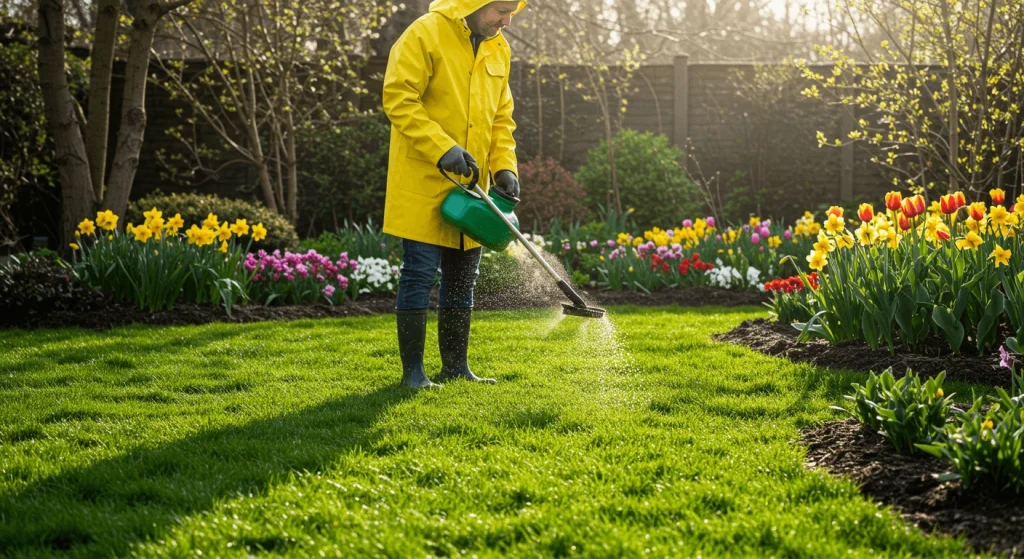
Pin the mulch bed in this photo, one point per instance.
(780, 340)
(104, 316)
(989, 520)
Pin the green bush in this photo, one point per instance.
(358, 241)
(649, 176)
(905, 411)
(195, 207)
(344, 171)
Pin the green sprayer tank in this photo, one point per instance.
(471, 215)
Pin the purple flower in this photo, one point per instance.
(1005, 359)
(329, 290)
(746, 227)
(755, 238)
(593, 243)
(670, 233)
(718, 237)
(611, 243)
(765, 232)
(688, 223)
(788, 234)
(710, 221)
(762, 249)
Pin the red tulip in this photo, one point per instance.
(835, 210)
(893, 200)
(977, 211)
(948, 204)
(960, 200)
(942, 234)
(904, 221)
(866, 212)
(997, 195)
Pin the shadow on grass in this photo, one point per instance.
(103, 508)
(680, 309)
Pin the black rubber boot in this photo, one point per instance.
(412, 331)
(453, 341)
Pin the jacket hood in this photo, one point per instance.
(458, 9)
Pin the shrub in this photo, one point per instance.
(39, 283)
(549, 192)
(649, 177)
(344, 170)
(905, 411)
(357, 240)
(194, 208)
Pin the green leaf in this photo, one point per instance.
(990, 320)
(951, 326)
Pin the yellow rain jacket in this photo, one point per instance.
(437, 94)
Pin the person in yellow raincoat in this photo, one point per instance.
(446, 93)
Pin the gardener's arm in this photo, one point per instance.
(405, 81)
(503, 146)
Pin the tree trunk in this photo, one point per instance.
(98, 125)
(133, 112)
(77, 197)
(954, 110)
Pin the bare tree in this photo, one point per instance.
(270, 69)
(66, 120)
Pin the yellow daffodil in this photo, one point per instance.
(211, 221)
(774, 241)
(87, 227)
(755, 221)
(142, 234)
(844, 241)
(259, 232)
(205, 236)
(939, 393)
(106, 220)
(1001, 256)
(192, 234)
(74, 246)
(972, 241)
(813, 228)
(224, 247)
(834, 224)
(998, 216)
(730, 252)
(987, 424)
(866, 234)
(175, 223)
(631, 269)
(817, 260)
(224, 232)
(823, 244)
(623, 238)
(153, 214)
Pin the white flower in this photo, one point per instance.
(377, 273)
(754, 277)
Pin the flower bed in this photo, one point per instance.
(913, 272)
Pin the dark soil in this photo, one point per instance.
(109, 315)
(989, 520)
(780, 340)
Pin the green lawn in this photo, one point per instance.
(636, 437)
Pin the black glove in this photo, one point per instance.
(457, 160)
(507, 182)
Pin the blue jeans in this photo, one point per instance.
(420, 264)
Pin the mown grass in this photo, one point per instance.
(636, 437)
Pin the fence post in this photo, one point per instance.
(847, 122)
(681, 104)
